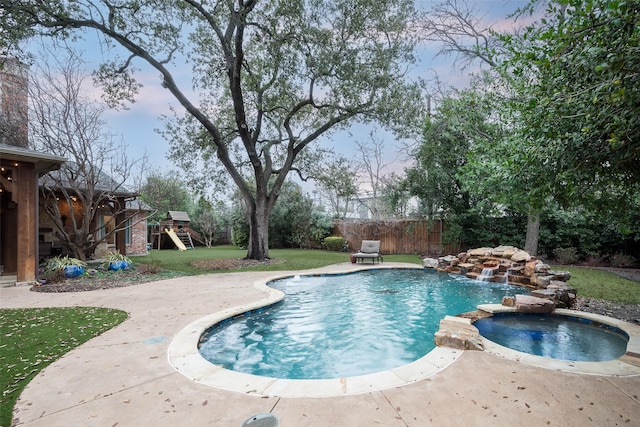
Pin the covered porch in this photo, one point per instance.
(20, 169)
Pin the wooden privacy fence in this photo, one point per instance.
(401, 236)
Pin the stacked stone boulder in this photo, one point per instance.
(508, 264)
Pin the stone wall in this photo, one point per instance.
(507, 264)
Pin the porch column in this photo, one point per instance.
(121, 236)
(27, 201)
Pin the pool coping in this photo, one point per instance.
(626, 365)
(184, 356)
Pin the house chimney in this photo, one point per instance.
(14, 105)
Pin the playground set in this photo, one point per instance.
(174, 232)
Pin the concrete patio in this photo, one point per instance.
(124, 378)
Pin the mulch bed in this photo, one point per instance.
(129, 277)
(110, 281)
(627, 312)
(231, 263)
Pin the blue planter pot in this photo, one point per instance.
(71, 271)
(118, 265)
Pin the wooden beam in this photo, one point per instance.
(27, 201)
(121, 236)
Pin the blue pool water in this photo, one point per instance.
(333, 326)
(557, 337)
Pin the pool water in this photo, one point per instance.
(333, 326)
(557, 337)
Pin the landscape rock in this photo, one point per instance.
(530, 304)
(509, 252)
(558, 284)
(530, 268)
(430, 263)
(465, 267)
(560, 275)
(520, 256)
(458, 333)
(542, 268)
(101, 251)
(559, 297)
(480, 252)
(508, 301)
(542, 281)
(504, 251)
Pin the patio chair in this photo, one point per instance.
(370, 249)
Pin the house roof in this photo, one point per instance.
(138, 205)
(103, 182)
(49, 163)
(178, 216)
(43, 162)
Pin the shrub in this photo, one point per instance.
(63, 266)
(566, 255)
(595, 260)
(117, 256)
(622, 260)
(311, 235)
(116, 261)
(60, 262)
(239, 230)
(293, 223)
(54, 276)
(334, 243)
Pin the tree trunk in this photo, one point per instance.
(258, 217)
(76, 246)
(121, 232)
(533, 233)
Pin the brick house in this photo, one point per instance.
(117, 208)
(26, 231)
(135, 236)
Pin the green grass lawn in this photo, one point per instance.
(294, 259)
(33, 338)
(601, 284)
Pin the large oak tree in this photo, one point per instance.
(268, 78)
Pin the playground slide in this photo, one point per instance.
(175, 239)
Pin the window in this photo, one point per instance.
(127, 231)
(107, 225)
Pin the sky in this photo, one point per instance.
(137, 125)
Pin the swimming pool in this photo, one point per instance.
(342, 325)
